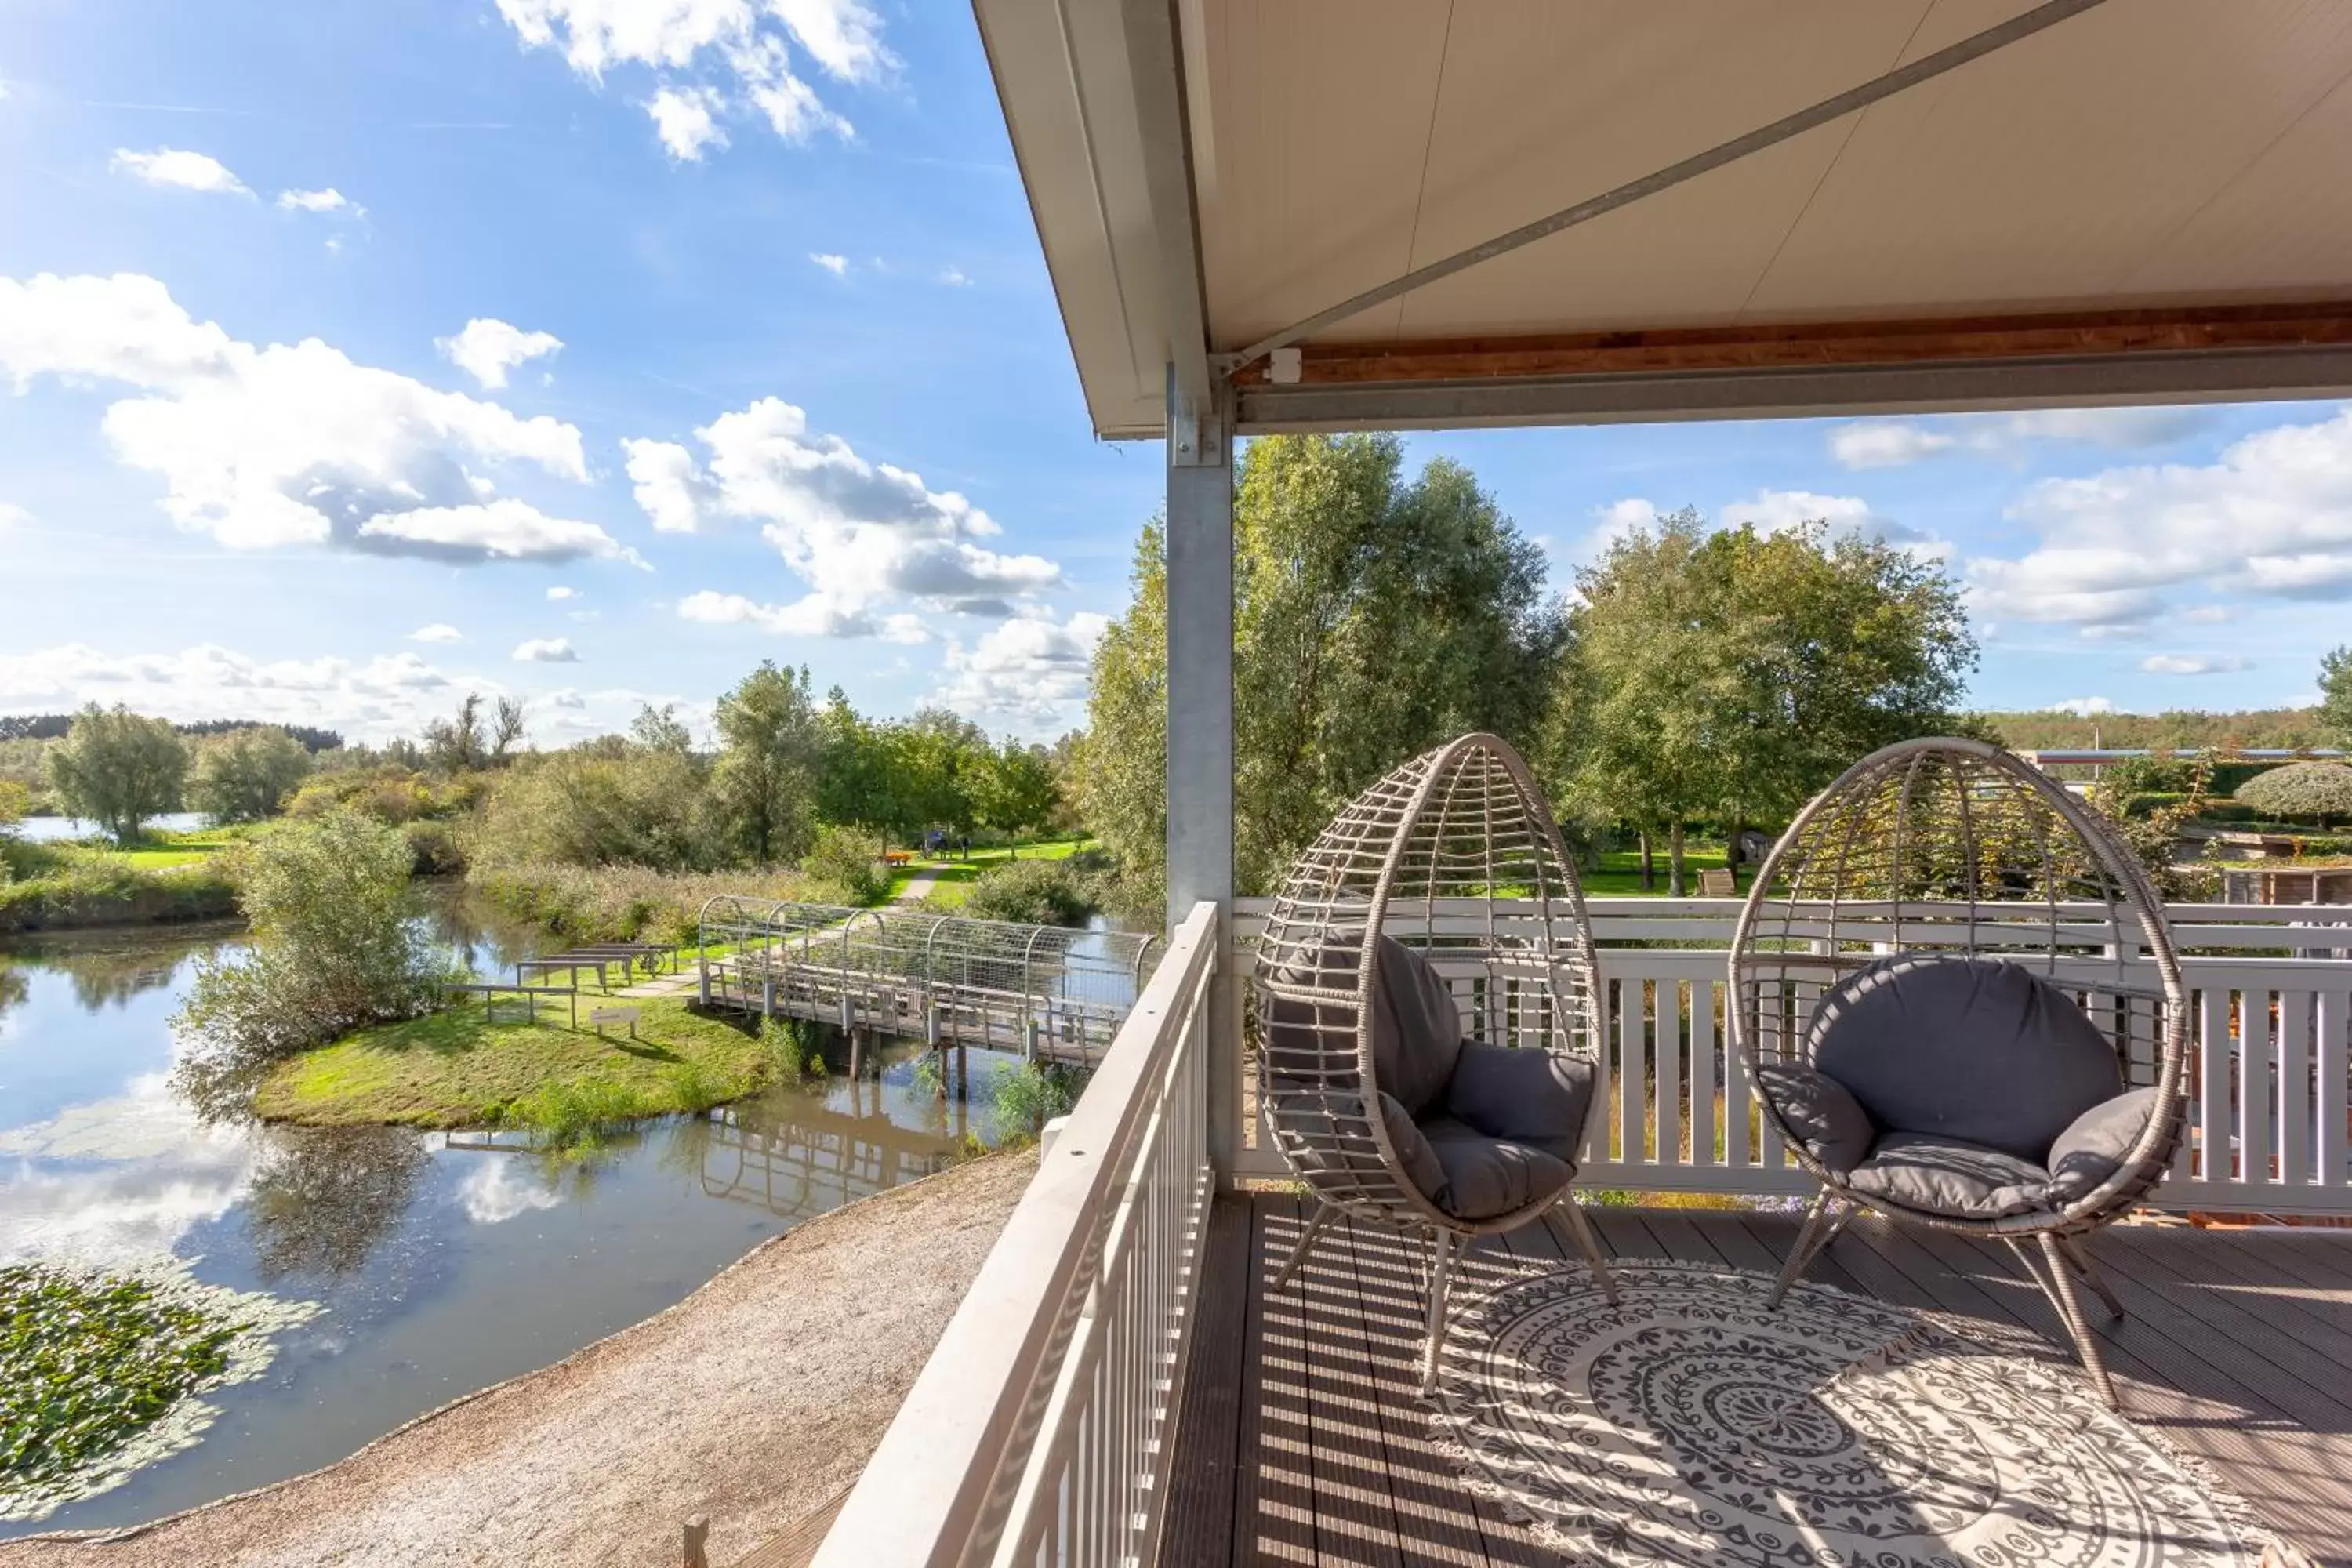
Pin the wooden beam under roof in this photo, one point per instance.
(1782, 346)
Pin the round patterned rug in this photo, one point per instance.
(1693, 1426)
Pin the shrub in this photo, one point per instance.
(434, 848)
(606, 803)
(2147, 803)
(1022, 1099)
(246, 774)
(2317, 791)
(52, 892)
(333, 949)
(1036, 893)
(845, 866)
(619, 903)
(573, 1116)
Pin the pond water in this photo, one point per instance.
(444, 1264)
(48, 829)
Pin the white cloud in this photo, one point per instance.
(858, 533)
(1844, 517)
(813, 616)
(487, 348)
(2272, 517)
(836, 265)
(171, 167)
(954, 277)
(685, 121)
(1885, 443)
(13, 516)
(545, 650)
(2082, 707)
(498, 1188)
(1891, 443)
(747, 40)
(330, 200)
(2210, 615)
(503, 529)
(2193, 664)
(380, 698)
(279, 445)
(439, 631)
(560, 593)
(1028, 674)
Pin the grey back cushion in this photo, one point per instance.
(1416, 1030)
(1980, 1049)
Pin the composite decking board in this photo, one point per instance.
(1355, 1516)
(1273, 1483)
(2260, 1334)
(1201, 1491)
(2322, 1261)
(1436, 1521)
(2320, 1321)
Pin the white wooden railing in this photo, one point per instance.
(1040, 1430)
(2271, 1057)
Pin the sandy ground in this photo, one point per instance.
(752, 1401)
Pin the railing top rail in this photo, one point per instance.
(922, 1495)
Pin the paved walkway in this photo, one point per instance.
(661, 985)
(915, 891)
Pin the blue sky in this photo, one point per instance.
(594, 350)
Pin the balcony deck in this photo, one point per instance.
(1301, 1442)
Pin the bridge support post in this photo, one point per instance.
(702, 971)
(768, 996)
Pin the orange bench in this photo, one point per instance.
(898, 857)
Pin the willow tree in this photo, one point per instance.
(1373, 617)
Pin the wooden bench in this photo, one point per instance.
(898, 857)
(1717, 885)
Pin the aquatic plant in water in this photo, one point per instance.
(100, 1371)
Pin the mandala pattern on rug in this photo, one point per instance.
(1691, 1425)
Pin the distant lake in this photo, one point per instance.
(48, 829)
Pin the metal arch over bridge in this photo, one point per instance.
(1043, 991)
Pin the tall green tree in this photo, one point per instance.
(1373, 617)
(1728, 676)
(458, 743)
(1013, 788)
(766, 777)
(245, 776)
(2335, 695)
(118, 769)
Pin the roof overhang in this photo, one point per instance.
(2142, 202)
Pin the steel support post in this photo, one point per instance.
(1200, 714)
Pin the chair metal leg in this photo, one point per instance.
(2080, 1260)
(1315, 1227)
(1444, 1246)
(1590, 1245)
(2057, 1283)
(1810, 1241)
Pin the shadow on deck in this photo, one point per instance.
(1302, 1441)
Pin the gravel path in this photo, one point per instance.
(753, 1401)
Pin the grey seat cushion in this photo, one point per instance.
(2095, 1144)
(1524, 1094)
(1977, 1050)
(1821, 1112)
(1486, 1176)
(1415, 1028)
(1948, 1176)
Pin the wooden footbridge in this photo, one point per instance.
(1044, 992)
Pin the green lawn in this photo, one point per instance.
(456, 1068)
(951, 874)
(1619, 876)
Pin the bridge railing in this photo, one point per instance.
(1040, 1430)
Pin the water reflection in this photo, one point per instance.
(445, 1263)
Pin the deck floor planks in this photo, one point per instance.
(2240, 1355)
(1437, 1521)
(1202, 1503)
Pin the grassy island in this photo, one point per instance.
(459, 1068)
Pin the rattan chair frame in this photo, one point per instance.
(1456, 855)
(1953, 846)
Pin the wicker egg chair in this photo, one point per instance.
(1956, 999)
(1427, 1012)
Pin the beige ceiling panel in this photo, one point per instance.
(1309, 137)
(2241, 233)
(1543, 105)
(2042, 177)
